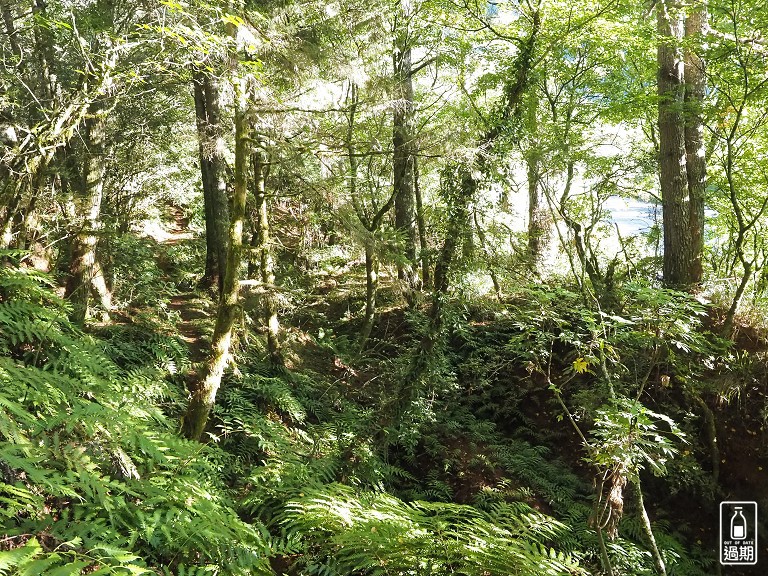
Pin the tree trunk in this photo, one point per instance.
(11, 210)
(538, 220)
(426, 279)
(730, 316)
(84, 270)
(695, 149)
(402, 144)
(460, 190)
(538, 215)
(253, 250)
(679, 253)
(266, 259)
(371, 288)
(10, 29)
(203, 395)
(211, 151)
(29, 225)
(604, 558)
(658, 561)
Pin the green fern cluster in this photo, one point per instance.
(374, 533)
(93, 478)
(31, 560)
(283, 450)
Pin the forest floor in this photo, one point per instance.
(740, 413)
(194, 310)
(332, 307)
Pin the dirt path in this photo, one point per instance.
(191, 307)
(191, 326)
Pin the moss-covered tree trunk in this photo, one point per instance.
(266, 258)
(203, 393)
(402, 146)
(212, 162)
(538, 217)
(85, 273)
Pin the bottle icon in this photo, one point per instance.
(738, 525)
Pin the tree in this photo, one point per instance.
(85, 272)
(538, 215)
(212, 167)
(460, 182)
(260, 170)
(203, 392)
(369, 209)
(738, 125)
(78, 65)
(403, 142)
(696, 28)
(682, 169)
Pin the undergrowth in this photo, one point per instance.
(93, 476)
(302, 476)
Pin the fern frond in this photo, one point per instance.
(376, 533)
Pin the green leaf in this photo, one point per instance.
(71, 569)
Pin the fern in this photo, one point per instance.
(90, 465)
(31, 560)
(375, 533)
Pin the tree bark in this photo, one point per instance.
(682, 255)
(402, 143)
(211, 151)
(204, 393)
(29, 224)
(266, 259)
(538, 221)
(538, 215)
(695, 147)
(426, 277)
(84, 270)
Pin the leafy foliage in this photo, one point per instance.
(375, 533)
(90, 466)
(452, 434)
